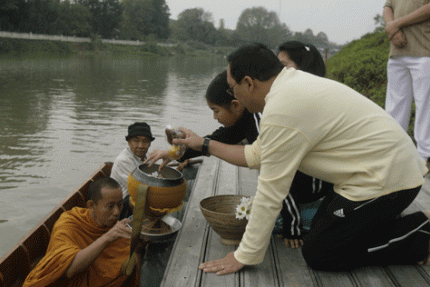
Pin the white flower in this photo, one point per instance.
(246, 199)
(243, 209)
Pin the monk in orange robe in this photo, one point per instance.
(88, 245)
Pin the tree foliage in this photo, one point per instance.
(142, 18)
(195, 25)
(73, 20)
(259, 25)
(159, 21)
(105, 16)
(146, 19)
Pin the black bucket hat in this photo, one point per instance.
(139, 129)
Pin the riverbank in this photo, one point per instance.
(10, 47)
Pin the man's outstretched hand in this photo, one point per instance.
(227, 265)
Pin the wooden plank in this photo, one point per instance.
(226, 184)
(408, 275)
(248, 179)
(265, 273)
(282, 266)
(423, 198)
(76, 200)
(182, 268)
(294, 271)
(14, 267)
(36, 244)
(53, 217)
(292, 268)
(425, 272)
(217, 250)
(344, 279)
(372, 276)
(227, 179)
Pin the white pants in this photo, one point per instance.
(407, 77)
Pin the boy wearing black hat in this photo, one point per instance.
(139, 140)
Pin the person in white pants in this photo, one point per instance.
(408, 69)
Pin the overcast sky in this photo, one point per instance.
(342, 20)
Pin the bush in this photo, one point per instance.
(362, 65)
(6, 46)
(35, 47)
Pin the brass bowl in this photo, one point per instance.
(165, 193)
(220, 212)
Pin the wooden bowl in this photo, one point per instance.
(220, 212)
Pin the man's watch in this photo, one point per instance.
(205, 147)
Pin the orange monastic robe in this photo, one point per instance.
(74, 231)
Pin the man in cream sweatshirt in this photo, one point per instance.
(329, 131)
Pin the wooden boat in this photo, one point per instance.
(23, 257)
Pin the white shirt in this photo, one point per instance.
(123, 165)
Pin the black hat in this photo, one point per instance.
(139, 129)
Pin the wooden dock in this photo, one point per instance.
(197, 242)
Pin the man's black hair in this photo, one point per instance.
(256, 61)
(95, 188)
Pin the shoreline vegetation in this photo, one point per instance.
(11, 47)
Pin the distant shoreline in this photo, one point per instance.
(28, 44)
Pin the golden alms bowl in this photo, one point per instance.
(220, 212)
(166, 188)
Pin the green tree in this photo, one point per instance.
(379, 23)
(40, 16)
(105, 16)
(195, 25)
(9, 15)
(134, 19)
(259, 25)
(73, 20)
(322, 37)
(142, 18)
(308, 33)
(221, 24)
(159, 21)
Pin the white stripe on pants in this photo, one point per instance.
(410, 77)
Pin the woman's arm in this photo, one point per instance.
(233, 154)
(396, 35)
(392, 26)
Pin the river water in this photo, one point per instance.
(62, 118)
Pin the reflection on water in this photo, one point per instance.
(62, 118)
